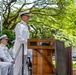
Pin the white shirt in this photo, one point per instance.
(5, 54)
(22, 34)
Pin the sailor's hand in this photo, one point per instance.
(13, 62)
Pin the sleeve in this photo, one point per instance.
(2, 55)
(19, 30)
(9, 56)
(11, 52)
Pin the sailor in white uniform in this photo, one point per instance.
(4, 68)
(4, 54)
(22, 34)
(11, 50)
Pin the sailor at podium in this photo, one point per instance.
(22, 34)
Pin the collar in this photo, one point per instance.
(24, 23)
(2, 44)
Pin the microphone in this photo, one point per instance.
(34, 28)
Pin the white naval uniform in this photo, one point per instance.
(5, 54)
(22, 34)
(5, 65)
(29, 54)
(13, 56)
(11, 52)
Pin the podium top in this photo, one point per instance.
(36, 43)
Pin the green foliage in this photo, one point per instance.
(56, 22)
(74, 64)
(51, 18)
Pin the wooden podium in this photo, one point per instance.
(43, 50)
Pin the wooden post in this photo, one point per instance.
(69, 60)
(60, 58)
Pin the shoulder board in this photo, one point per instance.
(0, 45)
(20, 22)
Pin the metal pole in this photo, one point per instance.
(1, 15)
(22, 59)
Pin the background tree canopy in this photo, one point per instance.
(48, 18)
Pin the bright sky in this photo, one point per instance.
(29, 1)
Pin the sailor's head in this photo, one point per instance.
(4, 39)
(25, 15)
